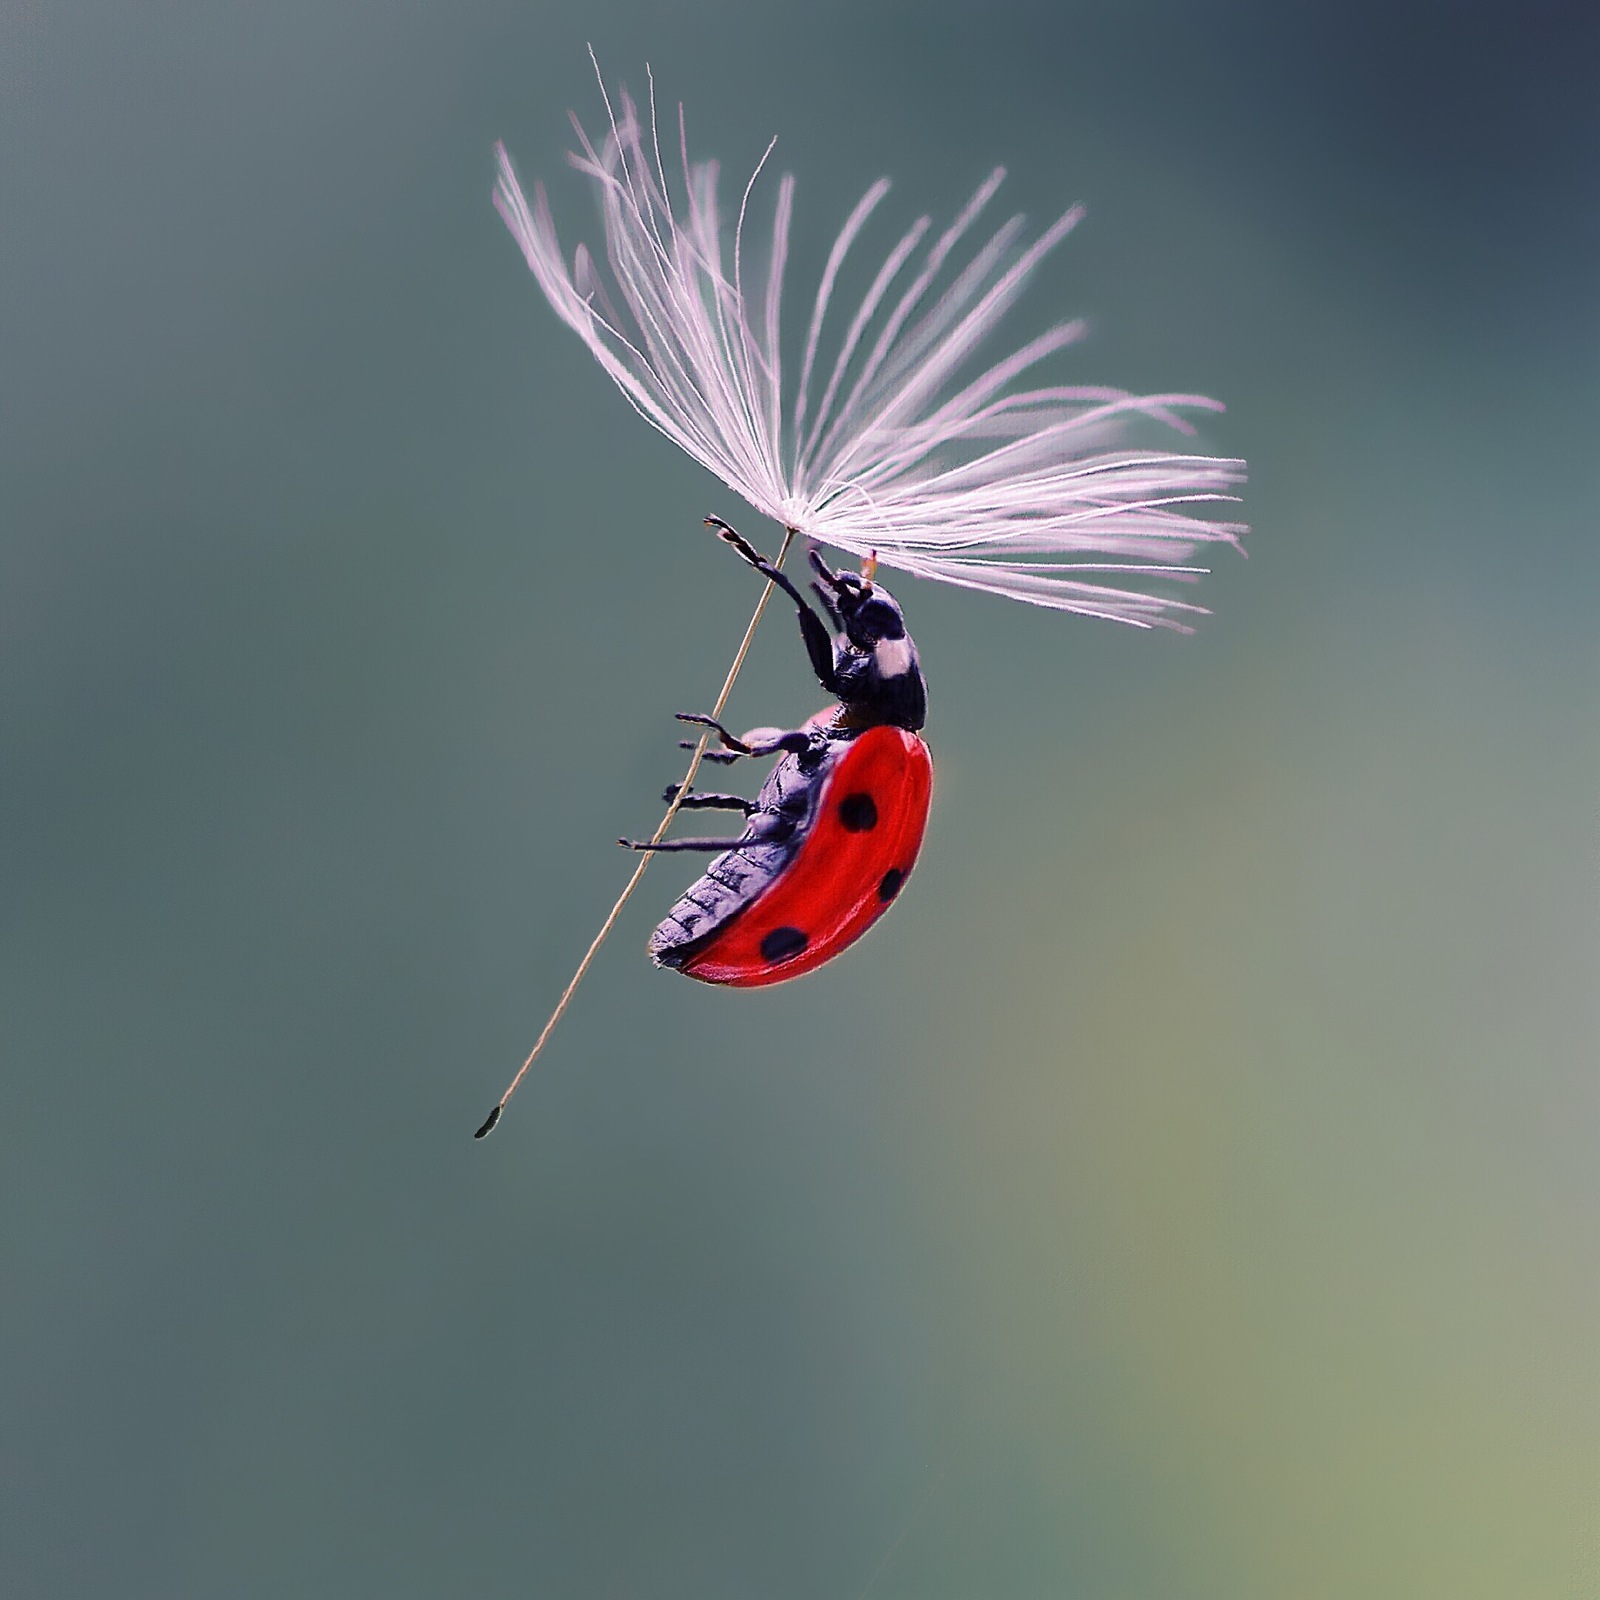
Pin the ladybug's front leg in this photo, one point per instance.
(813, 630)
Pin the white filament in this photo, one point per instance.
(1034, 494)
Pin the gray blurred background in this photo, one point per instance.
(1189, 1191)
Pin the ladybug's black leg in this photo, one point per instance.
(708, 845)
(722, 758)
(796, 743)
(738, 746)
(818, 641)
(828, 606)
(707, 802)
(765, 828)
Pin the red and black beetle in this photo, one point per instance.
(831, 838)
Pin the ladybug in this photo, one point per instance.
(834, 833)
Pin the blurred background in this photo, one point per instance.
(1189, 1191)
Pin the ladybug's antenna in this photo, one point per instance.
(655, 839)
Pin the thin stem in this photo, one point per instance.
(911, 1522)
(648, 856)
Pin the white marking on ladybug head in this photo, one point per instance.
(893, 657)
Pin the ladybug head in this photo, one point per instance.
(865, 613)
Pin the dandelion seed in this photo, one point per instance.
(907, 457)
(1032, 493)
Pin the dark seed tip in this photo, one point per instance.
(489, 1122)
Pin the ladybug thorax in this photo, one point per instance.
(880, 683)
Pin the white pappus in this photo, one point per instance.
(949, 474)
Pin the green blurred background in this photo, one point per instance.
(1189, 1191)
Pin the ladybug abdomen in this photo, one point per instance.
(775, 908)
(738, 877)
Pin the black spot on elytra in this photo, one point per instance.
(782, 943)
(858, 812)
(889, 884)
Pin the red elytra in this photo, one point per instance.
(842, 878)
